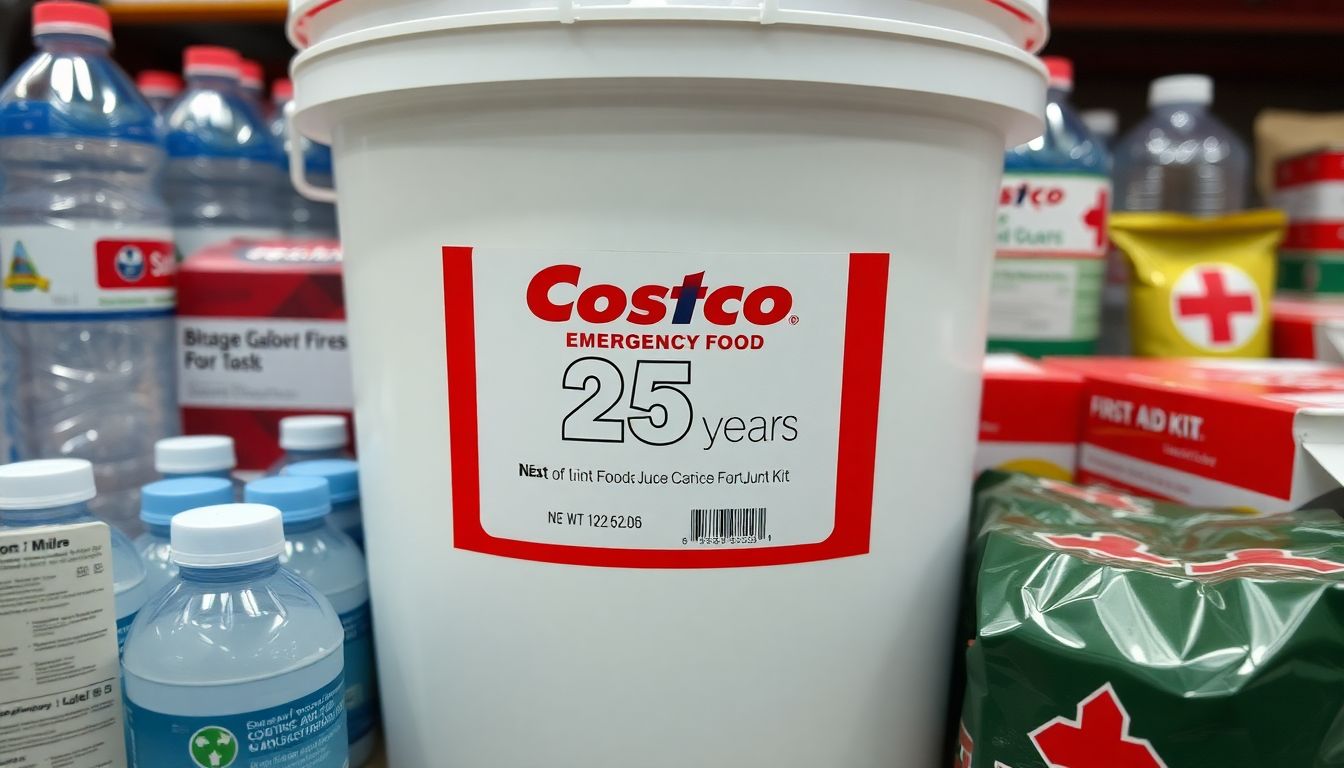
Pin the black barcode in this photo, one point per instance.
(743, 523)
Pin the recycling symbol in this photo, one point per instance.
(213, 747)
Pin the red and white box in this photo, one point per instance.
(261, 335)
(1265, 435)
(1030, 418)
(1310, 188)
(1311, 329)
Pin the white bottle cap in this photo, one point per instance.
(1181, 89)
(1101, 122)
(46, 483)
(227, 535)
(194, 454)
(312, 433)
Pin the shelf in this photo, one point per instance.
(1200, 16)
(196, 11)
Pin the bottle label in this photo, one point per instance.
(1050, 262)
(85, 270)
(124, 628)
(60, 683)
(308, 732)
(680, 410)
(361, 692)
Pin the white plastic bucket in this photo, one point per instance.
(816, 182)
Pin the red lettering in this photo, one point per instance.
(781, 302)
(613, 303)
(715, 312)
(539, 292)
(646, 305)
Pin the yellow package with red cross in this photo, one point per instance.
(1200, 287)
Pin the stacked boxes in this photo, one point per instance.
(1310, 189)
(1265, 435)
(261, 336)
(1030, 418)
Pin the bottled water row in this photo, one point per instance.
(231, 615)
(102, 196)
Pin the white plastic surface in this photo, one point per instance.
(1102, 122)
(313, 433)
(227, 535)
(1021, 23)
(1181, 89)
(810, 133)
(194, 454)
(298, 166)
(46, 483)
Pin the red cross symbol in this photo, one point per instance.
(1217, 304)
(965, 749)
(1095, 217)
(1261, 558)
(1111, 545)
(1099, 738)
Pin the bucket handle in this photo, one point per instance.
(297, 169)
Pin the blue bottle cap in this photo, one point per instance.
(298, 498)
(160, 501)
(342, 475)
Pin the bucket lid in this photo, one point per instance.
(1018, 22)
(976, 52)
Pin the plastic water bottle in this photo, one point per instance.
(159, 502)
(238, 662)
(88, 293)
(1104, 124)
(195, 456)
(306, 218)
(342, 476)
(57, 492)
(309, 438)
(252, 83)
(223, 170)
(329, 560)
(159, 88)
(1046, 292)
(1181, 157)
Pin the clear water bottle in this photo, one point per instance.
(1050, 257)
(223, 170)
(159, 503)
(342, 476)
(325, 557)
(88, 332)
(252, 83)
(195, 456)
(309, 438)
(159, 88)
(58, 492)
(238, 662)
(305, 218)
(1181, 157)
(1104, 125)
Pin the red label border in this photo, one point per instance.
(861, 382)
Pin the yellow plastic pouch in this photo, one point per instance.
(1200, 287)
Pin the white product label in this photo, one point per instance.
(1055, 215)
(87, 270)
(263, 363)
(1046, 299)
(60, 689)
(1321, 201)
(192, 239)
(663, 409)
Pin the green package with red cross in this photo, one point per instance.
(1115, 632)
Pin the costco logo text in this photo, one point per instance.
(554, 294)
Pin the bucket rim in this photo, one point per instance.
(1031, 14)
